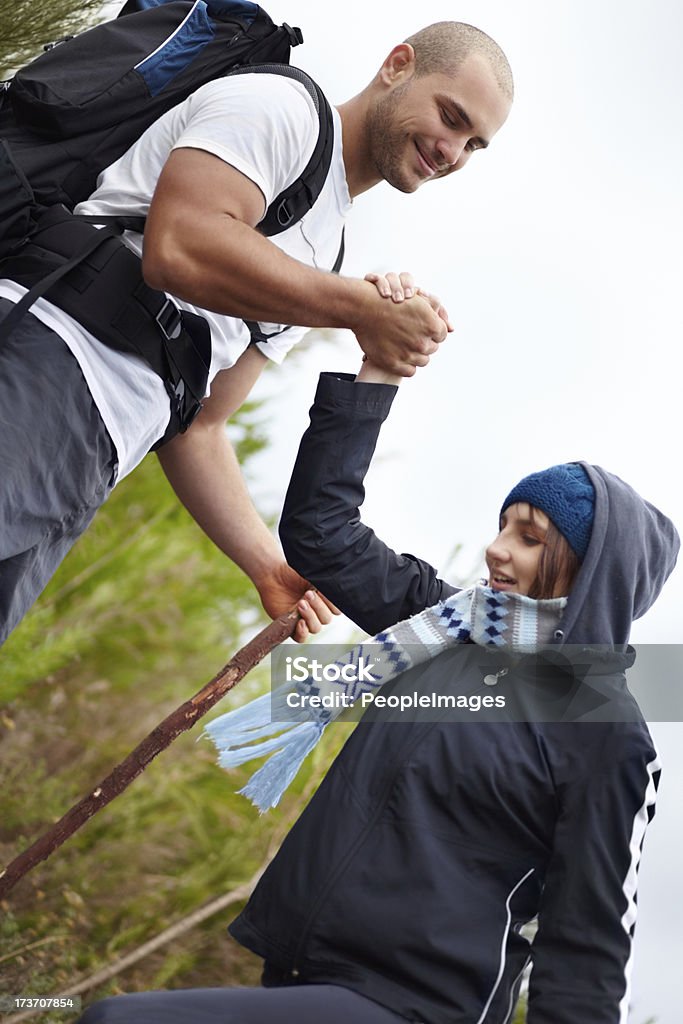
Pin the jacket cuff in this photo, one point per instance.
(342, 390)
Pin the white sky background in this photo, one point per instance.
(558, 255)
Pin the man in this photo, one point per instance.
(204, 174)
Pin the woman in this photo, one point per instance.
(402, 890)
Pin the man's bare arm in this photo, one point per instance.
(201, 245)
(203, 470)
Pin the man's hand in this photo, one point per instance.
(283, 589)
(401, 335)
(203, 470)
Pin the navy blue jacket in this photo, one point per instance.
(432, 842)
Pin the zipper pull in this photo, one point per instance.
(492, 678)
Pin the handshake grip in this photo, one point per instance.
(400, 335)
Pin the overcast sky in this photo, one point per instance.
(558, 255)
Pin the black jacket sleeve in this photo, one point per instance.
(582, 950)
(321, 531)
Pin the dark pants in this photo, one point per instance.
(57, 462)
(295, 1004)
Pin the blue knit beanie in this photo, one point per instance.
(567, 497)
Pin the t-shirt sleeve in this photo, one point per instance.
(277, 347)
(265, 126)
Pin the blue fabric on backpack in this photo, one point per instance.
(176, 52)
(143, 5)
(189, 39)
(233, 8)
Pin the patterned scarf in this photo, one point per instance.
(269, 725)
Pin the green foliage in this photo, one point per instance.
(520, 1013)
(26, 26)
(143, 612)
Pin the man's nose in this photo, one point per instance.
(451, 149)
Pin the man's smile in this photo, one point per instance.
(427, 163)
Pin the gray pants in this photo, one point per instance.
(297, 1004)
(57, 462)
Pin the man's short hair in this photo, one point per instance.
(443, 47)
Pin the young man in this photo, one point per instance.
(80, 415)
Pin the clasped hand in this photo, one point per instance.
(401, 335)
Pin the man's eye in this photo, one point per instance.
(448, 119)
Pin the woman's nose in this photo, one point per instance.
(497, 551)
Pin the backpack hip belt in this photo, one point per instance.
(105, 292)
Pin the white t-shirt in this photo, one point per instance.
(265, 126)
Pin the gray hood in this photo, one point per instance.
(632, 551)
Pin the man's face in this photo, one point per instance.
(429, 126)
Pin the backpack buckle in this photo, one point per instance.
(56, 42)
(183, 405)
(191, 414)
(296, 36)
(283, 215)
(169, 320)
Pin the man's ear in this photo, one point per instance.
(399, 66)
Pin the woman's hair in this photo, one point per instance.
(558, 566)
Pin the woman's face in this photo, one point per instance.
(513, 557)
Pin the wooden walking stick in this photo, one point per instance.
(180, 720)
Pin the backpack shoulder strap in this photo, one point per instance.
(296, 200)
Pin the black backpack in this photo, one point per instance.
(77, 108)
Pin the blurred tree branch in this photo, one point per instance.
(26, 26)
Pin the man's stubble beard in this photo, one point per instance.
(387, 145)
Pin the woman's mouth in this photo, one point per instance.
(500, 581)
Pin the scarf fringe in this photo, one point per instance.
(234, 735)
(266, 786)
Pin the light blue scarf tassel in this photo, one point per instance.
(267, 785)
(289, 742)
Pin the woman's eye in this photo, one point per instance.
(530, 541)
